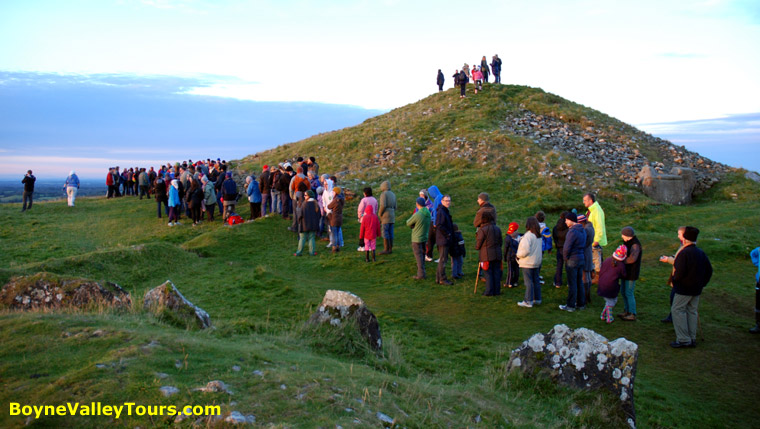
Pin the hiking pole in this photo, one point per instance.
(477, 279)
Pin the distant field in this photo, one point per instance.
(11, 191)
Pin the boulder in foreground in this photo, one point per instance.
(167, 301)
(340, 307)
(581, 359)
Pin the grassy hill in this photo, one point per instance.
(445, 349)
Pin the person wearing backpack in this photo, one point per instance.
(229, 195)
(462, 84)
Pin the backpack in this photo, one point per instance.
(234, 219)
(546, 239)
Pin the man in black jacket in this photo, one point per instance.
(440, 80)
(265, 188)
(691, 273)
(444, 231)
(28, 182)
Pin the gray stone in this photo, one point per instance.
(675, 188)
(168, 390)
(168, 298)
(236, 418)
(751, 175)
(581, 359)
(215, 386)
(384, 418)
(338, 307)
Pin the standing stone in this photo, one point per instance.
(167, 298)
(339, 307)
(581, 359)
(674, 188)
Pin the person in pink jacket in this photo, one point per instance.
(370, 229)
(477, 76)
(370, 201)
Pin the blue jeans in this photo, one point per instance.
(576, 296)
(166, 206)
(558, 273)
(388, 231)
(336, 236)
(276, 203)
(302, 239)
(532, 284)
(629, 302)
(456, 265)
(265, 207)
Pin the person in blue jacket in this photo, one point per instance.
(254, 196)
(435, 196)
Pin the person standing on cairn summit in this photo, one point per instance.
(484, 69)
(439, 80)
(595, 215)
(496, 68)
(28, 182)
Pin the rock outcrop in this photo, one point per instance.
(674, 188)
(168, 301)
(339, 307)
(46, 290)
(581, 359)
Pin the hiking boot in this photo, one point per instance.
(677, 345)
(629, 318)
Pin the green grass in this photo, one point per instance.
(445, 349)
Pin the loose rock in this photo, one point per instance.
(168, 298)
(339, 307)
(46, 290)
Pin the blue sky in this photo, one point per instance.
(644, 62)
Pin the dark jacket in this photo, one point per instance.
(309, 217)
(633, 261)
(444, 226)
(575, 243)
(510, 248)
(692, 271)
(28, 182)
(463, 79)
(194, 197)
(488, 242)
(587, 252)
(558, 234)
(456, 79)
(336, 210)
(160, 187)
(487, 207)
(609, 278)
(229, 190)
(457, 245)
(264, 182)
(440, 78)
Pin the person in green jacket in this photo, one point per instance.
(420, 224)
(209, 197)
(387, 213)
(595, 215)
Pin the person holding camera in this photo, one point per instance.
(28, 182)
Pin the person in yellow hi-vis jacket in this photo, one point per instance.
(595, 215)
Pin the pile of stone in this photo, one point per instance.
(581, 359)
(45, 290)
(616, 151)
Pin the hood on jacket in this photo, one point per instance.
(175, 184)
(433, 193)
(385, 186)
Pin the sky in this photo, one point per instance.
(648, 63)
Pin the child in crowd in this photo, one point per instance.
(612, 271)
(511, 242)
(369, 231)
(458, 252)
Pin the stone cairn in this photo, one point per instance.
(45, 290)
(581, 359)
(339, 307)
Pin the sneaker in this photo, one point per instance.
(428, 259)
(171, 224)
(566, 308)
(296, 254)
(629, 318)
(558, 286)
(677, 345)
(582, 307)
(360, 249)
(537, 302)
(524, 304)
(436, 261)
(177, 223)
(541, 281)
(329, 246)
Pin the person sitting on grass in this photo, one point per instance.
(613, 270)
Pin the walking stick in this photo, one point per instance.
(477, 279)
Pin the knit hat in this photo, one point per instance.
(421, 201)
(691, 233)
(628, 232)
(572, 216)
(620, 253)
(337, 190)
(265, 168)
(310, 193)
(512, 227)
(581, 218)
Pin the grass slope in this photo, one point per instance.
(445, 348)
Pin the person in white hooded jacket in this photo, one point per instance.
(529, 258)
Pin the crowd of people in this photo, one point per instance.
(315, 203)
(479, 75)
